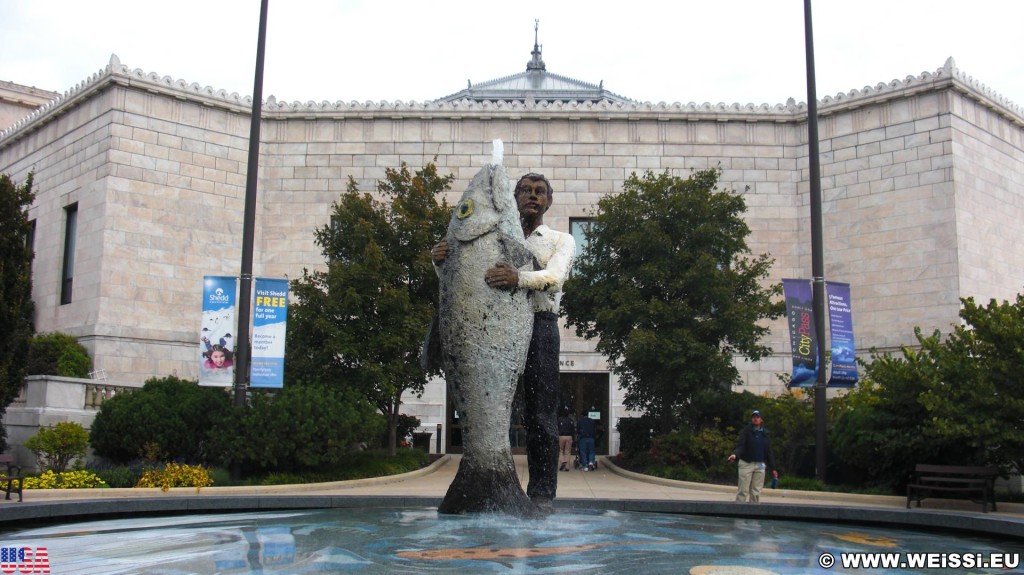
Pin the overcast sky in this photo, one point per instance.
(745, 51)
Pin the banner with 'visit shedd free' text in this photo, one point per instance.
(269, 325)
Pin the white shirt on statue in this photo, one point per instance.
(554, 252)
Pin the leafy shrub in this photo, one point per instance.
(168, 419)
(670, 450)
(791, 423)
(407, 424)
(58, 354)
(678, 473)
(884, 430)
(176, 475)
(294, 478)
(801, 483)
(710, 449)
(58, 445)
(789, 417)
(687, 456)
(635, 434)
(298, 427)
(80, 479)
(355, 465)
(122, 476)
(373, 463)
(220, 476)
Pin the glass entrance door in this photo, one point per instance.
(588, 394)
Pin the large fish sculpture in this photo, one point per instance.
(484, 335)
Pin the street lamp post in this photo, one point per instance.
(817, 249)
(243, 348)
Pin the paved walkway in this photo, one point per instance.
(607, 483)
(608, 488)
(377, 549)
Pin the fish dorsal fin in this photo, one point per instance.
(515, 251)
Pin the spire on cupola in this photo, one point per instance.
(536, 63)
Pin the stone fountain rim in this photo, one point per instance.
(21, 515)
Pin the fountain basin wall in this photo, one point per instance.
(15, 515)
(294, 535)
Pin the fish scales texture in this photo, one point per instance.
(485, 334)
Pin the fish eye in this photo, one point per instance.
(465, 209)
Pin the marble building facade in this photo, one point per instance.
(922, 179)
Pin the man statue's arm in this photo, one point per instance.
(551, 278)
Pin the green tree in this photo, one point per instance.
(669, 287)
(947, 400)
(169, 418)
(977, 393)
(56, 446)
(16, 307)
(361, 322)
(791, 423)
(884, 428)
(58, 353)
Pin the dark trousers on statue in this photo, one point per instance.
(540, 395)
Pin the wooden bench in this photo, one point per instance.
(12, 474)
(975, 481)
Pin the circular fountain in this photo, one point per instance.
(419, 540)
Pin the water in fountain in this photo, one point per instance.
(420, 540)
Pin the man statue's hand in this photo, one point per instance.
(439, 252)
(502, 276)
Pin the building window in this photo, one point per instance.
(329, 245)
(68, 272)
(578, 227)
(30, 244)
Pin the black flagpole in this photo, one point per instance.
(243, 347)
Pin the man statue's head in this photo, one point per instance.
(533, 192)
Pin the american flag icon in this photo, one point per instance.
(24, 560)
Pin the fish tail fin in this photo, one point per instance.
(483, 489)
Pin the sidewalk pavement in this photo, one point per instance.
(607, 482)
(607, 487)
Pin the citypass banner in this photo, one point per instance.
(800, 313)
(216, 344)
(269, 324)
(840, 321)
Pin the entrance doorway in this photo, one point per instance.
(588, 394)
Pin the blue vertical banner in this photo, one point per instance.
(269, 325)
(840, 321)
(216, 354)
(800, 314)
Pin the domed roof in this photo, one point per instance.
(535, 84)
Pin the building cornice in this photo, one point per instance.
(115, 73)
(27, 96)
